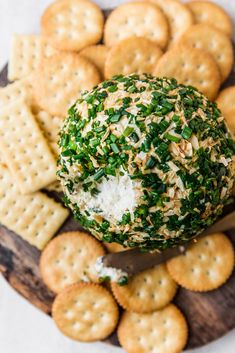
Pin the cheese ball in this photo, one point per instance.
(145, 162)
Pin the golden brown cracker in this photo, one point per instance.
(140, 19)
(85, 312)
(179, 16)
(97, 54)
(61, 79)
(213, 41)
(70, 258)
(132, 55)
(206, 265)
(147, 291)
(212, 14)
(226, 103)
(114, 247)
(163, 331)
(192, 67)
(72, 24)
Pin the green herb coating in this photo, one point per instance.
(145, 161)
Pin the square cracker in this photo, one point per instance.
(34, 217)
(50, 126)
(25, 55)
(25, 150)
(22, 89)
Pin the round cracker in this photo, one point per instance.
(192, 67)
(72, 24)
(212, 14)
(85, 312)
(179, 16)
(230, 119)
(161, 331)
(214, 42)
(114, 247)
(70, 258)
(97, 54)
(132, 55)
(138, 19)
(226, 100)
(226, 103)
(206, 265)
(147, 291)
(61, 79)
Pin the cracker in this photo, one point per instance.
(226, 103)
(25, 150)
(34, 217)
(46, 49)
(50, 126)
(21, 89)
(179, 16)
(214, 42)
(226, 100)
(61, 79)
(70, 258)
(97, 54)
(72, 25)
(230, 119)
(55, 186)
(191, 67)
(163, 331)
(85, 312)
(24, 56)
(206, 265)
(140, 19)
(132, 55)
(114, 247)
(147, 291)
(212, 14)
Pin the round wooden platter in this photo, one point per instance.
(209, 315)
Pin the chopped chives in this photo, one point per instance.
(115, 118)
(113, 88)
(163, 125)
(114, 148)
(113, 138)
(105, 150)
(172, 137)
(134, 137)
(151, 162)
(186, 133)
(128, 130)
(99, 174)
(176, 118)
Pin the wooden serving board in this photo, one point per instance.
(209, 315)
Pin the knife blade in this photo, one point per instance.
(134, 261)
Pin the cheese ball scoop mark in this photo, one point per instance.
(145, 162)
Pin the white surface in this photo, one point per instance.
(23, 329)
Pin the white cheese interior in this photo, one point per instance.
(117, 195)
